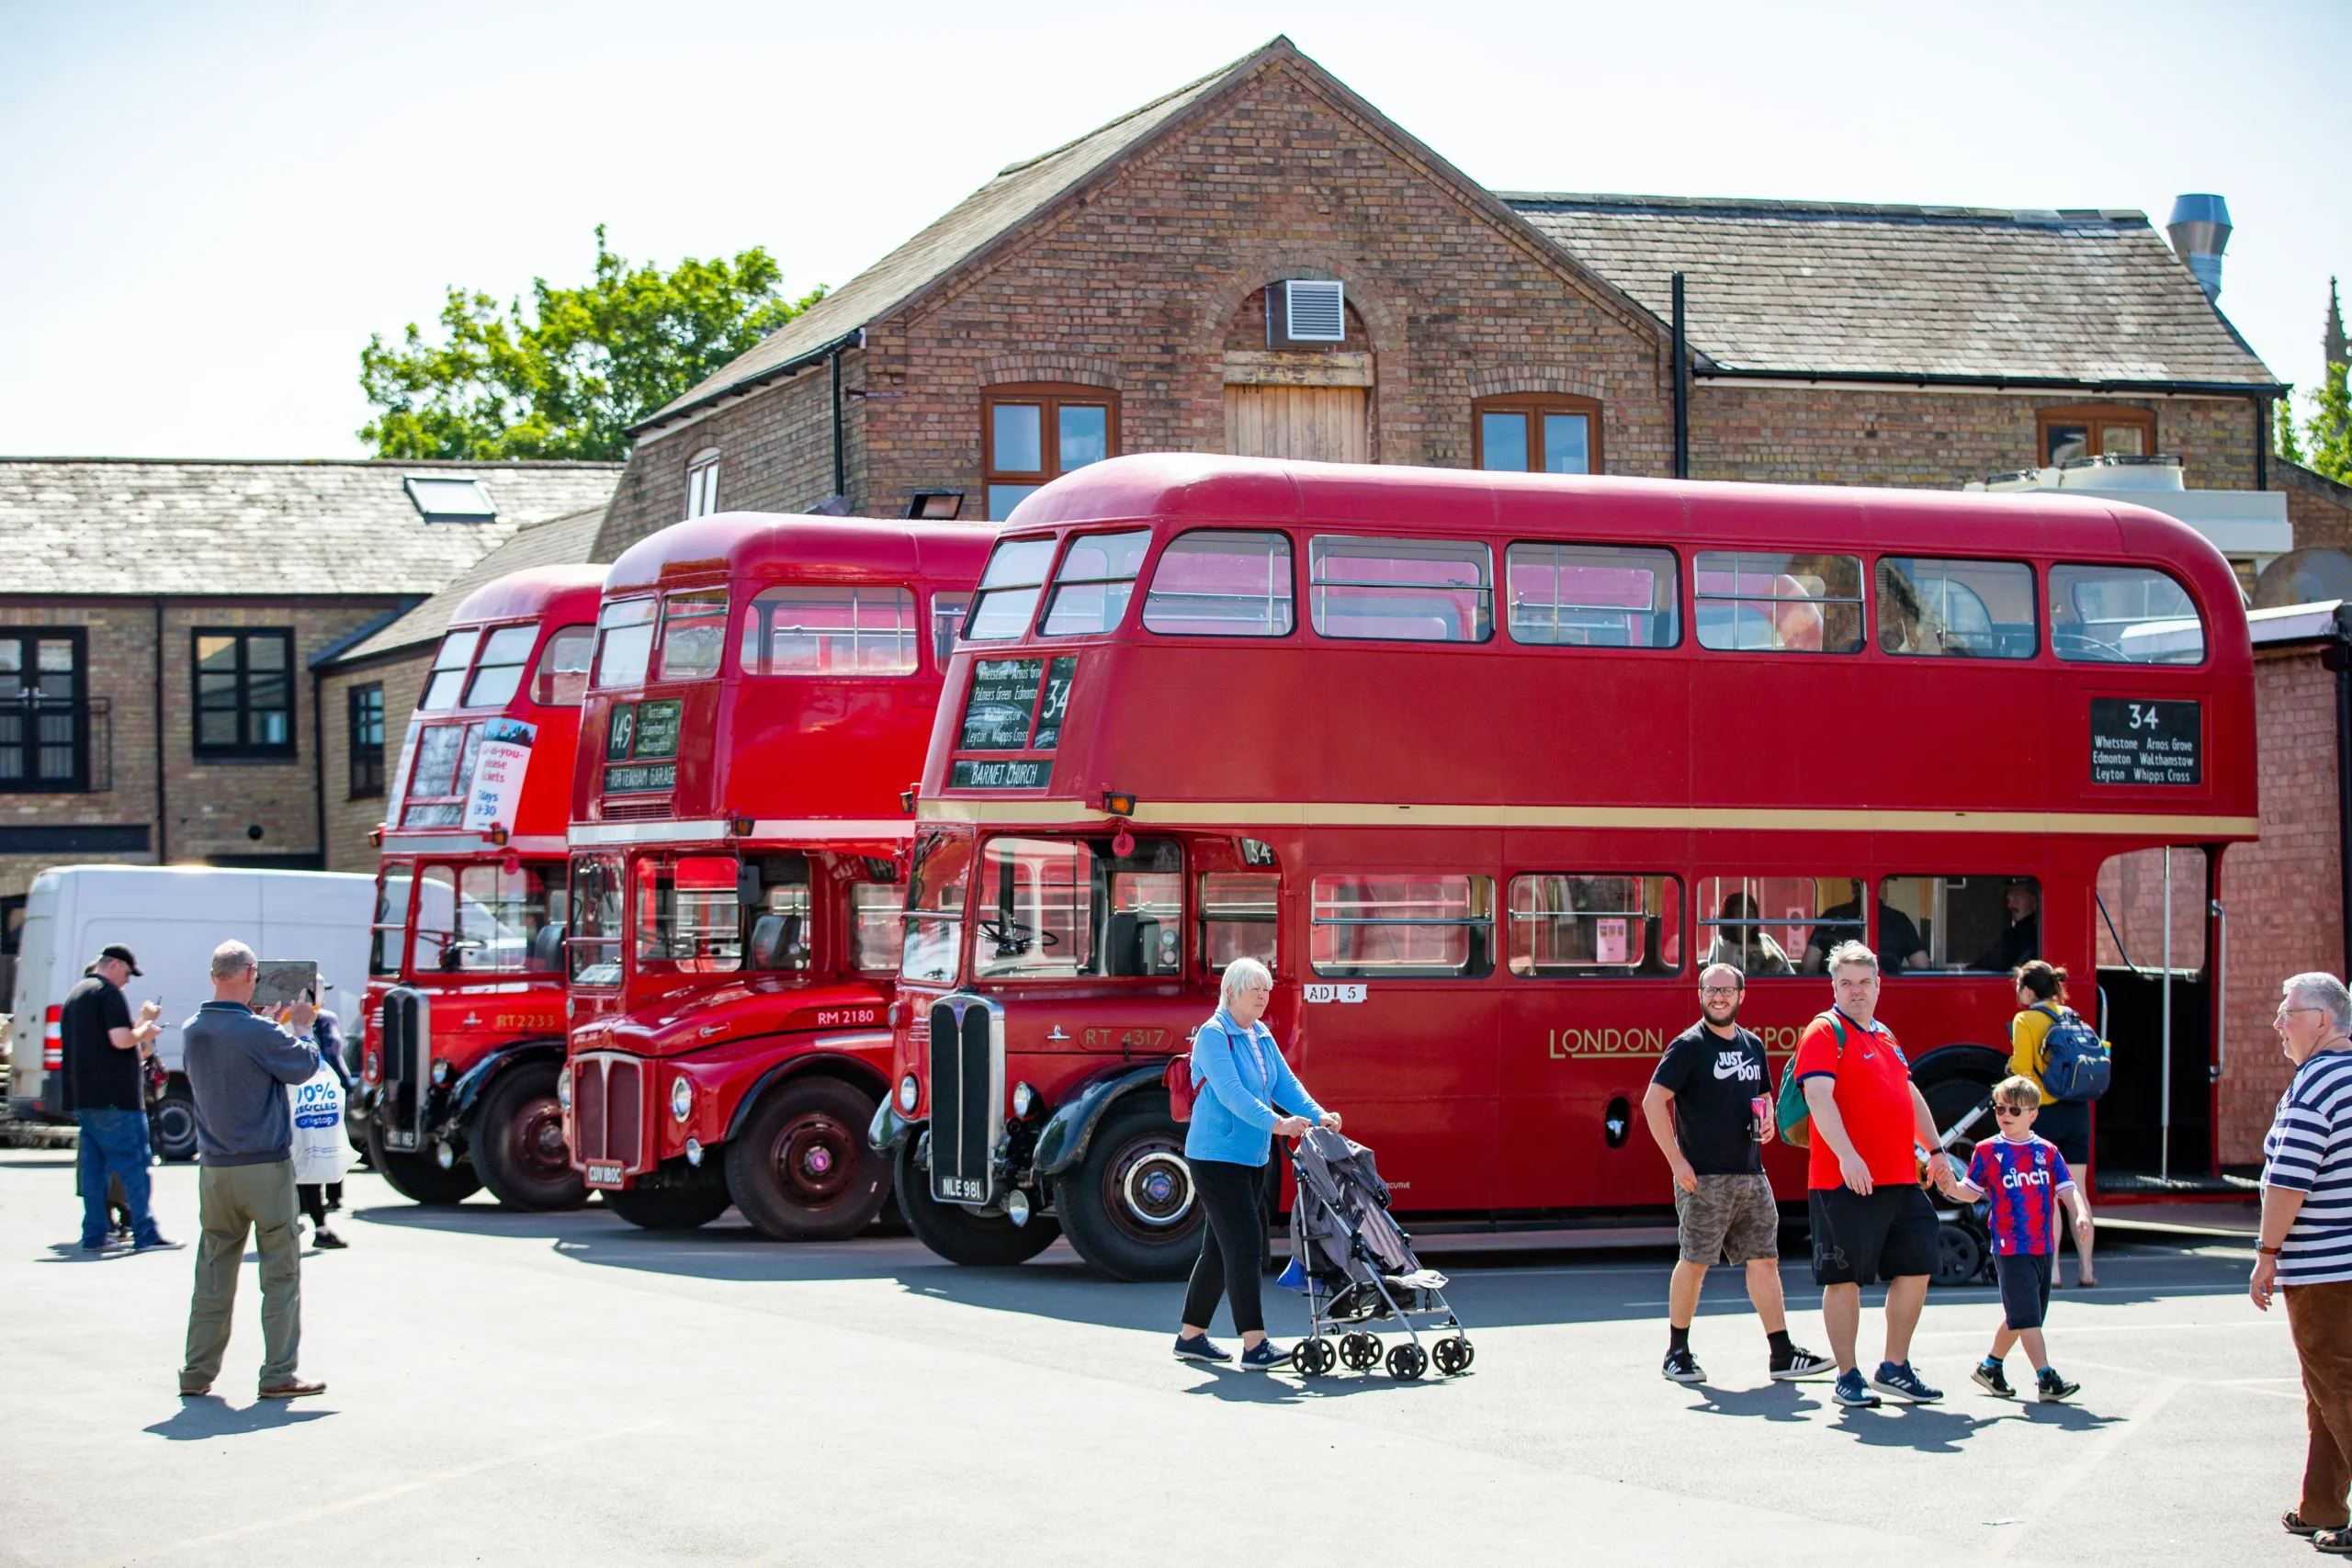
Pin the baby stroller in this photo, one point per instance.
(1357, 1268)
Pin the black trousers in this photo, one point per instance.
(312, 1196)
(1232, 1245)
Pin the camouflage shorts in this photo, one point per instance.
(1729, 1219)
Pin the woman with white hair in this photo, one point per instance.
(2305, 1248)
(1245, 1093)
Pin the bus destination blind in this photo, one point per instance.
(2150, 742)
(1058, 676)
(1012, 773)
(1003, 703)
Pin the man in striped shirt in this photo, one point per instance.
(2306, 1243)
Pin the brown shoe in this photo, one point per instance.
(294, 1389)
(198, 1391)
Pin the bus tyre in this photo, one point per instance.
(958, 1234)
(1130, 1206)
(801, 1169)
(419, 1177)
(518, 1143)
(670, 1208)
(173, 1123)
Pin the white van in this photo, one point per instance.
(173, 917)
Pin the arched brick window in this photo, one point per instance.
(1034, 430)
(1536, 433)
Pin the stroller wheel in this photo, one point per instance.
(1312, 1357)
(1360, 1351)
(1453, 1355)
(1408, 1361)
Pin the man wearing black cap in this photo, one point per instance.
(104, 1051)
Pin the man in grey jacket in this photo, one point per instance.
(238, 1066)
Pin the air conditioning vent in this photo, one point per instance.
(1310, 310)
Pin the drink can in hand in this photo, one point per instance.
(1761, 1106)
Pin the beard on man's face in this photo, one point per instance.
(1721, 1012)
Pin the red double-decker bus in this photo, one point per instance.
(465, 1021)
(761, 693)
(1487, 766)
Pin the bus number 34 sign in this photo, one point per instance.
(2146, 742)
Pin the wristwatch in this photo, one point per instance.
(2268, 1251)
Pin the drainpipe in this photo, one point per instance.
(2261, 443)
(840, 458)
(2337, 657)
(162, 799)
(1681, 387)
(318, 759)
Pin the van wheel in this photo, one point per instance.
(517, 1142)
(1130, 1206)
(670, 1208)
(173, 1122)
(801, 1169)
(958, 1234)
(419, 1177)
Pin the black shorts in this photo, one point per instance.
(1861, 1238)
(2025, 1288)
(2067, 1124)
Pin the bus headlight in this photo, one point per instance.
(682, 1098)
(1024, 1096)
(908, 1092)
(563, 1088)
(440, 1071)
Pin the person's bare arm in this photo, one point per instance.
(1923, 1127)
(1657, 1109)
(2279, 1207)
(1821, 1100)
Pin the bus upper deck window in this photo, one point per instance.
(1563, 927)
(1595, 595)
(1407, 590)
(1984, 925)
(441, 777)
(866, 630)
(448, 677)
(1780, 925)
(1238, 917)
(1955, 609)
(2122, 614)
(1398, 927)
(1095, 580)
(1221, 582)
(561, 679)
(1764, 602)
(498, 673)
(623, 642)
(1015, 575)
(694, 635)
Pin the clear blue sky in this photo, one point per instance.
(206, 208)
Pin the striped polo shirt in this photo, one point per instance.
(2310, 1150)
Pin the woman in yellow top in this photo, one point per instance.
(2065, 1123)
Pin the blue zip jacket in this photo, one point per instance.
(1234, 1109)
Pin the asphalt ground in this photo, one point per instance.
(564, 1389)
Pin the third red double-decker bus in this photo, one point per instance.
(465, 1028)
(761, 693)
(1487, 766)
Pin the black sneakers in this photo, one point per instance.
(1803, 1364)
(1681, 1368)
(2054, 1388)
(1989, 1377)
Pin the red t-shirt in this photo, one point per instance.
(1874, 1100)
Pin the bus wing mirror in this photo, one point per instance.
(747, 883)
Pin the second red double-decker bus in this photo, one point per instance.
(761, 693)
(465, 1029)
(1488, 767)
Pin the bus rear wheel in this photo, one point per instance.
(1130, 1207)
(519, 1143)
(958, 1234)
(670, 1208)
(801, 1169)
(419, 1177)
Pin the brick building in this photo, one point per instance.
(159, 625)
(1167, 282)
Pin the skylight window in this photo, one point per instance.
(450, 501)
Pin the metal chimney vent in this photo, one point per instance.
(1312, 310)
(2199, 227)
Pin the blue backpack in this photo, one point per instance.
(2077, 1064)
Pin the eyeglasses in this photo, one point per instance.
(2013, 1109)
(1719, 990)
(2290, 1012)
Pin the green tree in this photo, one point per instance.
(567, 377)
(2324, 445)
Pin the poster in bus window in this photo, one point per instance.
(498, 770)
(1002, 702)
(2146, 741)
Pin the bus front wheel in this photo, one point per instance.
(1130, 1207)
(419, 1177)
(801, 1169)
(955, 1233)
(518, 1142)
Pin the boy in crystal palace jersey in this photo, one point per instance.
(2026, 1179)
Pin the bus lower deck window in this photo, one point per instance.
(1569, 926)
(1222, 582)
(874, 925)
(1962, 924)
(1777, 925)
(1756, 602)
(1401, 926)
(2122, 614)
(1067, 908)
(688, 914)
(1238, 918)
(1592, 596)
(934, 916)
(596, 920)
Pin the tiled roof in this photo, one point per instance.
(135, 526)
(1018, 192)
(560, 541)
(1836, 287)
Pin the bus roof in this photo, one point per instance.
(757, 546)
(567, 591)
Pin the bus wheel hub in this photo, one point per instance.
(814, 1160)
(1156, 1189)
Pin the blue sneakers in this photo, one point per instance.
(1200, 1349)
(1854, 1392)
(1903, 1383)
(1264, 1357)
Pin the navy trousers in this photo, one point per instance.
(114, 1143)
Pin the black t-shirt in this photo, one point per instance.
(2020, 943)
(104, 1078)
(1898, 939)
(1713, 1080)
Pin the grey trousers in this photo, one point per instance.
(234, 1199)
